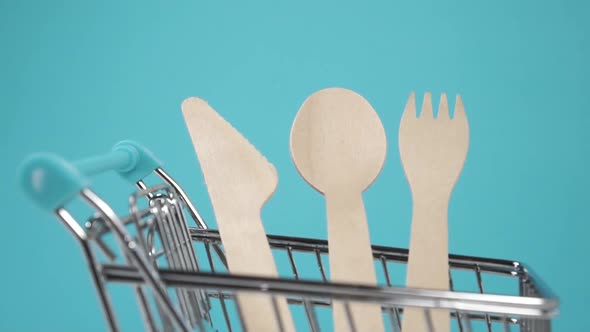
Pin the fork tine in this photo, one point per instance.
(427, 107)
(410, 110)
(443, 108)
(459, 109)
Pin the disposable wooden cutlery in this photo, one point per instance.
(338, 145)
(433, 151)
(239, 181)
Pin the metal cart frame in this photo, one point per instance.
(154, 250)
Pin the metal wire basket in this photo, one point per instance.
(180, 277)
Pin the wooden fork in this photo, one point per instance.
(432, 151)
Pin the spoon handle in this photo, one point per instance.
(428, 261)
(351, 258)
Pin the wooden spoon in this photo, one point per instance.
(338, 145)
(240, 181)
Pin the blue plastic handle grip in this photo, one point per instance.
(51, 182)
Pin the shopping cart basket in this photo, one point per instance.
(179, 273)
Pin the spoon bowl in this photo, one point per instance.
(338, 141)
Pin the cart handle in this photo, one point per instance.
(51, 181)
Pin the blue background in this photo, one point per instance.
(77, 76)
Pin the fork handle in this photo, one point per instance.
(428, 265)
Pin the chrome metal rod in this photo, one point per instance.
(401, 297)
(139, 257)
(488, 265)
(191, 208)
(97, 278)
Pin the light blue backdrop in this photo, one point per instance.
(77, 76)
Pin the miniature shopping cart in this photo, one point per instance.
(178, 271)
